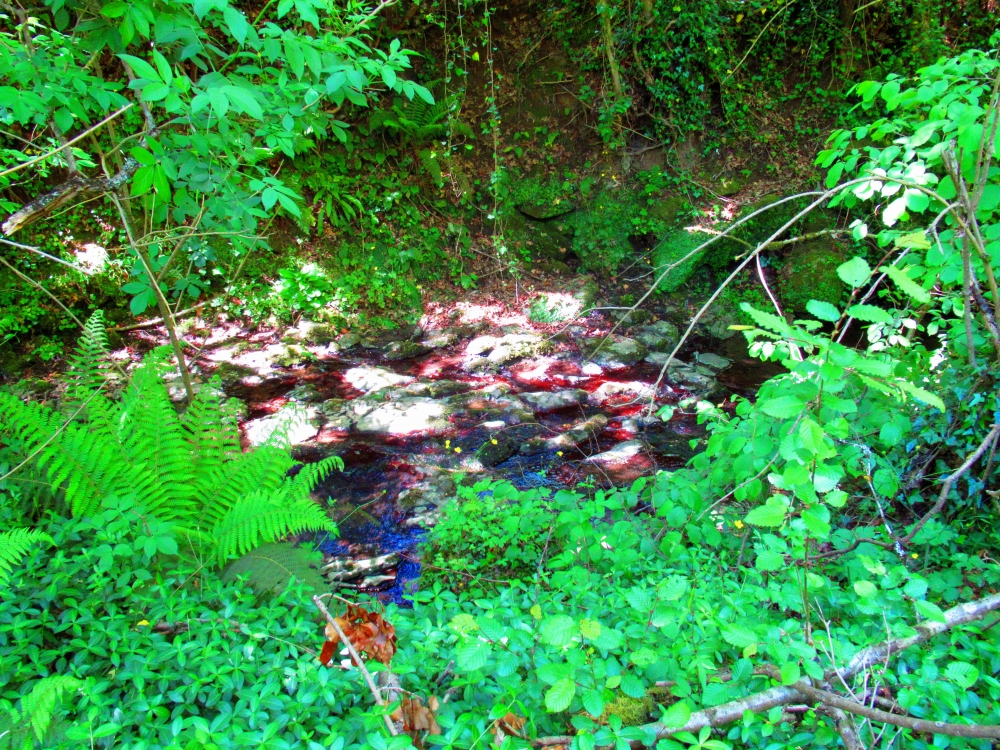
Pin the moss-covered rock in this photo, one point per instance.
(810, 272)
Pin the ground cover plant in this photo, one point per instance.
(823, 572)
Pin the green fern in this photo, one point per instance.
(270, 567)
(38, 709)
(185, 469)
(14, 545)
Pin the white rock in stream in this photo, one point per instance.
(618, 454)
(621, 392)
(405, 416)
(369, 379)
(544, 401)
(291, 423)
(713, 360)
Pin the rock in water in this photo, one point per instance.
(546, 401)
(621, 453)
(405, 416)
(612, 352)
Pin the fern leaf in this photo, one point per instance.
(263, 470)
(260, 518)
(14, 545)
(40, 705)
(270, 567)
(310, 475)
(212, 435)
(89, 364)
(431, 165)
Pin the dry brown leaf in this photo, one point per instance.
(368, 632)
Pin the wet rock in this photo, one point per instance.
(305, 393)
(405, 350)
(546, 401)
(630, 426)
(395, 335)
(405, 416)
(496, 450)
(612, 352)
(713, 361)
(495, 402)
(348, 341)
(487, 353)
(698, 379)
(369, 379)
(348, 569)
(430, 492)
(292, 424)
(291, 355)
(717, 322)
(431, 389)
(574, 436)
(311, 332)
(554, 307)
(231, 373)
(439, 339)
(621, 453)
(543, 210)
(660, 336)
(620, 392)
(631, 317)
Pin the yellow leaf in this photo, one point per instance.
(536, 612)
(475, 56)
(739, 18)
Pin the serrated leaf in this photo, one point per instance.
(962, 673)
(673, 589)
(593, 702)
(920, 394)
(931, 611)
(854, 272)
(869, 314)
(769, 561)
(590, 629)
(559, 696)
(632, 686)
(790, 673)
(507, 664)
(771, 514)
(676, 715)
(906, 284)
(814, 520)
(639, 599)
(738, 635)
(865, 589)
(558, 630)
(782, 407)
(472, 655)
(823, 310)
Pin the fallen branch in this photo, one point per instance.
(733, 711)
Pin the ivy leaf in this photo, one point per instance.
(854, 272)
(559, 696)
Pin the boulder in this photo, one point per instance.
(713, 361)
(496, 450)
(811, 273)
(439, 339)
(621, 453)
(405, 416)
(620, 392)
(486, 353)
(369, 379)
(574, 436)
(546, 401)
(612, 352)
(660, 336)
(405, 350)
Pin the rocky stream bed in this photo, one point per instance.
(413, 411)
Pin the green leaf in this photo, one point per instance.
(559, 696)
(472, 655)
(244, 101)
(920, 394)
(558, 630)
(769, 561)
(632, 686)
(141, 68)
(865, 589)
(782, 407)
(906, 284)
(237, 23)
(823, 310)
(114, 9)
(817, 520)
(930, 611)
(854, 272)
(916, 200)
(962, 673)
(593, 702)
(389, 77)
(739, 636)
(790, 673)
(771, 514)
(676, 715)
(869, 314)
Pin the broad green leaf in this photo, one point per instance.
(769, 561)
(558, 630)
(962, 673)
(790, 673)
(869, 314)
(920, 394)
(906, 284)
(738, 635)
(590, 629)
(894, 211)
(771, 514)
(559, 696)
(782, 407)
(472, 655)
(676, 715)
(930, 611)
(141, 68)
(632, 686)
(854, 272)
(593, 702)
(865, 589)
(823, 310)
(817, 520)
(237, 23)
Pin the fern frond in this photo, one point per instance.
(212, 434)
(153, 436)
(310, 475)
(263, 470)
(14, 545)
(40, 705)
(85, 464)
(270, 567)
(431, 165)
(261, 518)
(89, 364)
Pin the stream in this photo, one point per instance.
(412, 412)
